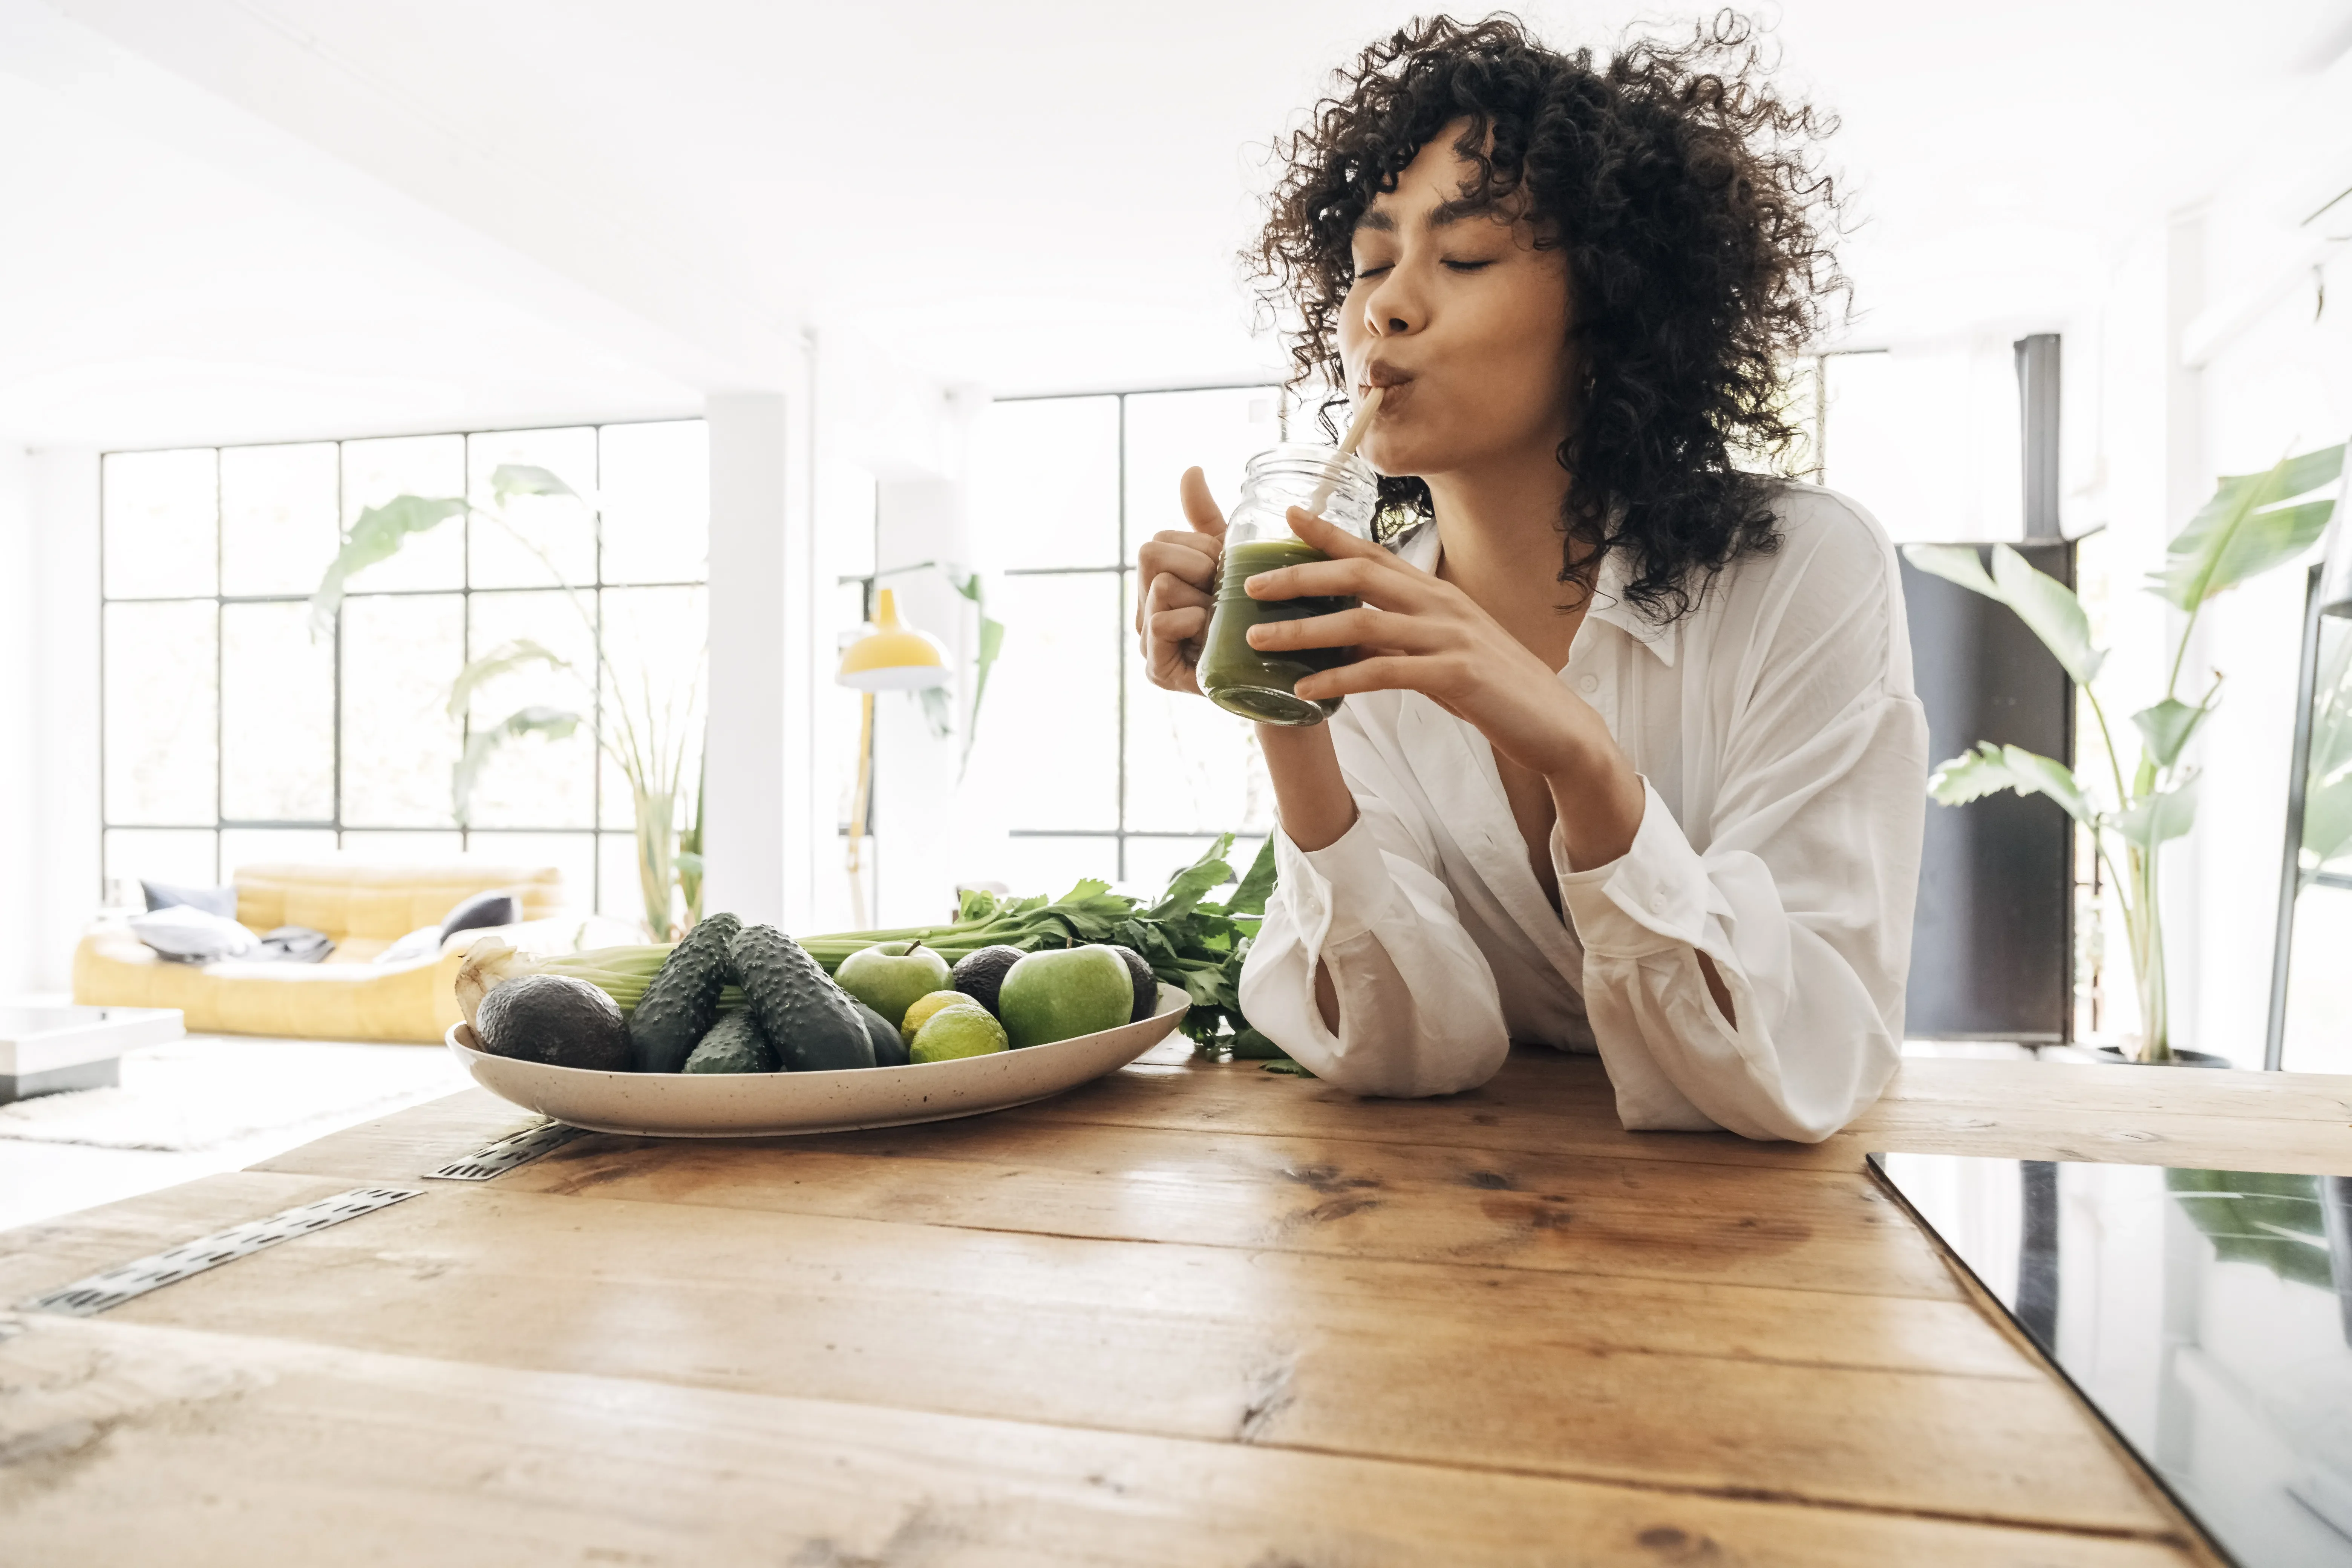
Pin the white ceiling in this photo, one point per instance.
(246, 217)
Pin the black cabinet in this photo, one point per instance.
(1992, 942)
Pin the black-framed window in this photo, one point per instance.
(232, 734)
(1100, 773)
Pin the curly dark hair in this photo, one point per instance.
(1696, 222)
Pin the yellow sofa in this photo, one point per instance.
(364, 909)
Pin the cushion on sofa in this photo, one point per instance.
(498, 908)
(220, 901)
(185, 934)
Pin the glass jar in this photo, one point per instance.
(1255, 683)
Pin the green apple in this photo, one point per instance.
(890, 975)
(1065, 992)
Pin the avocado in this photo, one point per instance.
(1146, 986)
(735, 1043)
(682, 1003)
(980, 975)
(815, 1024)
(554, 1019)
(889, 1047)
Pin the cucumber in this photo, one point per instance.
(682, 1003)
(735, 1043)
(815, 1024)
(890, 1045)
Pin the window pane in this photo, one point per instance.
(1053, 866)
(161, 515)
(563, 527)
(1191, 765)
(266, 846)
(654, 639)
(158, 855)
(278, 517)
(573, 854)
(535, 780)
(1047, 752)
(404, 848)
(1045, 483)
(400, 655)
(278, 716)
(1169, 432)
(432, 467)
(1926, 439)
(160, 660)
(656, 495)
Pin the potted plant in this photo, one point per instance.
(653, 741)
(2252, 524)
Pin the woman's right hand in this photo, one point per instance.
(1178, 573)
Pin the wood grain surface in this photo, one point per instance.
(1189, 1314)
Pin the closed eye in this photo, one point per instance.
(1468, 265)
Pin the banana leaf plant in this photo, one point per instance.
(2253, 522)
(653, 741)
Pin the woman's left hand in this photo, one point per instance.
(1415, 631)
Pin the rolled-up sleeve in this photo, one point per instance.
(1801, 899)
(1418, 1013)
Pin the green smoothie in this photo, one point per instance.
(1250, 681)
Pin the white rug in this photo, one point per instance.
(211, 1089)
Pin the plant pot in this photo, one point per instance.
(2180, 1058)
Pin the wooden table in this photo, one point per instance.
(1189, 1314)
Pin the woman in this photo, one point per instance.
(1630, 759)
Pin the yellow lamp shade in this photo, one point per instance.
(893, 656)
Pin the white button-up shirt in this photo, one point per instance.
(1784, 762)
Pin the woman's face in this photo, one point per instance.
(1462, 320)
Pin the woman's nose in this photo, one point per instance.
(1388, 315)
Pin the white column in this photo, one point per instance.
(20, 747)
(756, 803)
(919, 521)
(61, 521)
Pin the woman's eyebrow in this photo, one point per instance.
(1380, 220)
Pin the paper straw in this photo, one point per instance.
(1333, 470)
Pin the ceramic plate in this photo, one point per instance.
(747, 1105)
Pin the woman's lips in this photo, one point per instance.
(1392, 394)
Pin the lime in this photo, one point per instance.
(962, 1030)
(927, 1004)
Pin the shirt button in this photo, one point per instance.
(1588, 683)
(1658, 903)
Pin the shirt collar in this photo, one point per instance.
(1417, 546)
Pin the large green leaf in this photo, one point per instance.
(2274, 1220)
(1990, 769)
(506, 656)
(2165, 728)
(1954, 563)
(2047, 606)
(527, 479)
(1191, 885)
(2051, 611)
(2328, 820)
(378, 535)
(2244, 531)
(2159, 817)
(1249, 898)
(552, 722)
